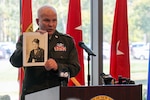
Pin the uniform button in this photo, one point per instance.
(56, 36)
(61, 56)
(24, 89)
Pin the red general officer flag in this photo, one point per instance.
(119, 60)
(75, 30)
(26, 26)
(26, 16)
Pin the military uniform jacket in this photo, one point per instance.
(61, 47)
(36, 57)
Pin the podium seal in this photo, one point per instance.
(102, 97)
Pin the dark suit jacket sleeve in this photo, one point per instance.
(16, 58)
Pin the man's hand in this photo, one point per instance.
(41, 31)
(51, 64)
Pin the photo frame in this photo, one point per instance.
(34, 49)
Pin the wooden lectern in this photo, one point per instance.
(102, 92)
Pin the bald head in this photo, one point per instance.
(46, 9)
(47, 19)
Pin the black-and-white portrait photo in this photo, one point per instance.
(37, 53)
(35, 49)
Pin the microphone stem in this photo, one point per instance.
(88, 69)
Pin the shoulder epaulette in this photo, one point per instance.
(66, 35)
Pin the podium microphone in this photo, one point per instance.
(82, 45)
(90, 52)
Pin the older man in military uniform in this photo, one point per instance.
(62, 55)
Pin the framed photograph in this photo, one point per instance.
(34, 49)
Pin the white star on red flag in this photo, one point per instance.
(119, 52)
(79, 28)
